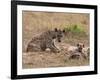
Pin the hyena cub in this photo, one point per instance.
(77, 51)
(45, 40)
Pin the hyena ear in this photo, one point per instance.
(78, 45)
(56, 29)
(83, 45)
(63, 31)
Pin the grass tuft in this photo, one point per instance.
(74, 29)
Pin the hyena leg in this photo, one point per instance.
(31, 47)
(55, 46)
(43, 47)
(52, 48)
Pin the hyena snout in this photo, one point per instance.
(80, 47)
(59, 40)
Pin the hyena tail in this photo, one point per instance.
(29, 48)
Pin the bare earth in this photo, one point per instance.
(36, 22)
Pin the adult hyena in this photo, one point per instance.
(45, 40)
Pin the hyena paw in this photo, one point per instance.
(56, 51)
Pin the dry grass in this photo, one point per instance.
(36, 22)
(48, 59)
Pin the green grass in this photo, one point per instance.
(74, 29)
(75, 34)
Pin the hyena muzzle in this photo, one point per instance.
(45, 40)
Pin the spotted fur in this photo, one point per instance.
(45, 40)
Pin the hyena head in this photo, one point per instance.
(80, 46)
(59, 34)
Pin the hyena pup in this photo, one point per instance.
(46, 40)
(77, 51)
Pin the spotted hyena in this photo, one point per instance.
(78, 51)
(45, 40)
